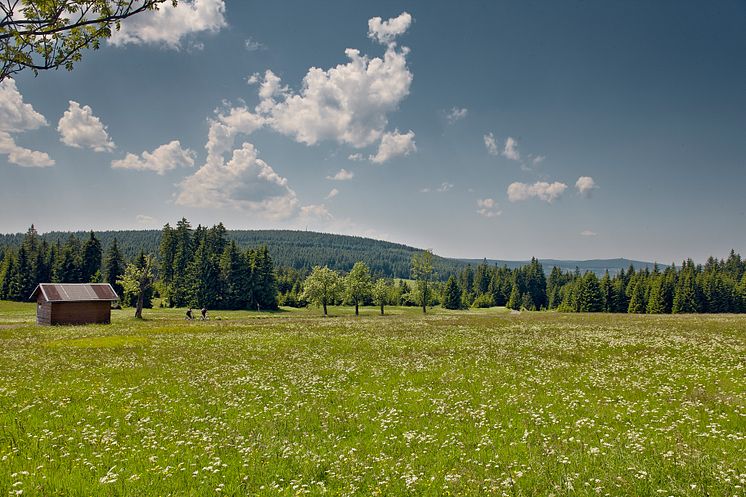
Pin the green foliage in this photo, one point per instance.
(137, 279)
(590, 298)
(358, 285)
(323, 287)
(297, 250)
(422, 273)
(114, 267)
(91, 261)
(202, 268)
(637, 301)
(514, 302)
(685, 299)
(483, 301)
(46, 34)
(382, 293)
(452, 294)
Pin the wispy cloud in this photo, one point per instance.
(444, 187)
(510, 150)
(487, 207)
(252, 45)
(491, 144)
(342, 175)
(456, 114)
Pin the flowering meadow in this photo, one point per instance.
(453, 403)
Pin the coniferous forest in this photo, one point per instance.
(206, 267)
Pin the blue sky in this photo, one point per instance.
(479, 129)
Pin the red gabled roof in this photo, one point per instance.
(75, 292)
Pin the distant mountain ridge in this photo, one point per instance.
(598, 266)
(305, 249)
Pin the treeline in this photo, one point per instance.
(203, 268)
(74, 261)
(717, 286)
(195, 267)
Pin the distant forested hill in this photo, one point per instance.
(297, 249)
(305, 249)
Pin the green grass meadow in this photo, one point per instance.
(480, 402)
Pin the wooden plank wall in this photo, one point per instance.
(43, 312)
(80, 312)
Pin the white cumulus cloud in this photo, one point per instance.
(393, 145)
(342, 175)
(161, 160)
(487, 207)
(588, 233)
(348, 104)
(244, 182)
(385, 32)
(333, 193)
(510, 150)
(548, 192)
(225, 128)
(16, 116)
(585, 185)
(79, 128)
(169, 25)
(491, 144)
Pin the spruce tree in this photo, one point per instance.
(637, 304)
(114, 267)
(167, 251)
(265, 285)
(514, 302)
(685, 297)
(23, 283)
(656, 301)
(527, 302)
(7, 276)
(452, 294)
(91, 262)
(184, 252)
(203, 279)
(231, 278)
(590, 298)
(607, 293)
(69, 263)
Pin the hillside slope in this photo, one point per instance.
(305, 249)
(297, 249)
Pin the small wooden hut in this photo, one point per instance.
(73, 303)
